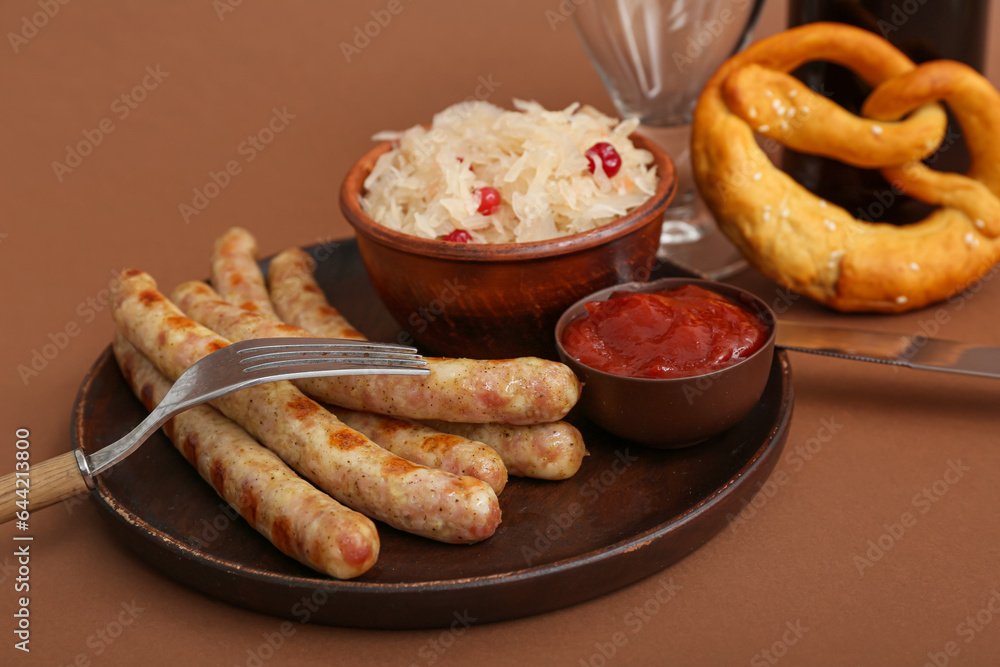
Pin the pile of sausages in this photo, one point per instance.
(424, 454)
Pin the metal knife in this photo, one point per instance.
(920, 352)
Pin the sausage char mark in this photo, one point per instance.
(178, 322)
(190, 448)
(127, 367)
(146, 396)
(170, 428)
(395, 465)
(347, 439)
(302, 407)
(281, 534)
(390, 426)
(248, 503)
(218, 475)
(148, 297)
(442, 441)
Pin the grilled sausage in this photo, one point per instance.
(299, 300)
(543, 451)
(301, 521)
(527, 390)
(427, 446)
(235, 274)
(342, 462)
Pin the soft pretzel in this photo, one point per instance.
(819, 249)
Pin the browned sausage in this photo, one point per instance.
(429, 447)
(542, 451)
(527, 390)
(301, 521)
(342, 462)
(298, 299)
(235, 274)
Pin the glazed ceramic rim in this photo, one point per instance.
(652, 208)
(767, 316)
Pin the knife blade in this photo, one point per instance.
(917, 351)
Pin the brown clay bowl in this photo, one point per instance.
(672, 412)
(500, 300)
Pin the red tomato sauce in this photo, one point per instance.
(679, 333)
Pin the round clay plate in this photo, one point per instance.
(628, 513)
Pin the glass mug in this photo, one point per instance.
(655, 57)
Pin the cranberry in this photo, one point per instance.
(489, 200)
(607, 154)
(458, 236)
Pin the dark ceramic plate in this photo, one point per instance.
(627, 514)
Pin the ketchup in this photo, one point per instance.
(678, 333)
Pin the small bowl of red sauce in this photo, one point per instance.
(668, 363)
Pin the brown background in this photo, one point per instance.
(790, 562)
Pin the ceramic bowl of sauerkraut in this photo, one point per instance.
(478, 230)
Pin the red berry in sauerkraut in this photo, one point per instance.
(606, 154)
(433, 180)
(457, 236)
(489, 200)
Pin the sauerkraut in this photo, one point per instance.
(430, 183)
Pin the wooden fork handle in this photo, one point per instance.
(45, 484)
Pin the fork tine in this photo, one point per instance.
(280, 354)
(320, 354)
(254, 345)
(266, 363)
(293, 371)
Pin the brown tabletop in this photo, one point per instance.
(877, 544)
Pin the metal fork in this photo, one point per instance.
(237, 366)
